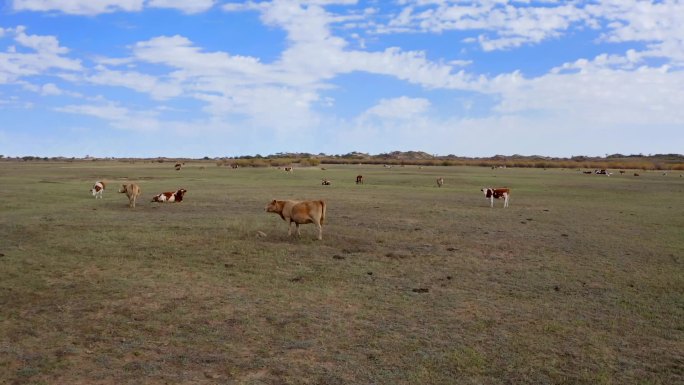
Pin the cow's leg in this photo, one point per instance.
(298, 232)
(491, 201)
(320, 230)
(134, 198)
(506, 201)
(289, 229)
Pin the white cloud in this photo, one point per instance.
(96, 7)
(512, 24)
(50, 89)
(117, 116)
(398, 108)
(597, 94)
(47, 54)
(78, 7)
(44, 44)
(186, 6)
(136, 81)
(659, 23)
(506, 24)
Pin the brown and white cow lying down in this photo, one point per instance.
(497, 193)
(173, 196)
(132, 191)
(299, 213)
(98, 189)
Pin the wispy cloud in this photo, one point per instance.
(78, 7)
(45, 53)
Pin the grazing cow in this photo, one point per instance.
(622, 171)
(178, 166)
(98, 189)
(176, 196)
(132, 191)
(440, 182)
(299, 213)
(636, 174)
(325, 182)
(497, 193)
(289, 169)
(359, 179)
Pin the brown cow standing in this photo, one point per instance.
(132, 191)
(299, 213)
(359, 179)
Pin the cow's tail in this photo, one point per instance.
(322, 211)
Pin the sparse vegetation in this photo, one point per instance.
(579, 281)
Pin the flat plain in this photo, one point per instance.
(579, 281)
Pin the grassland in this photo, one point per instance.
(579, 281)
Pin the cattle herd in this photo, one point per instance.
(291, 211)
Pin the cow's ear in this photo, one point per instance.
(274, 201)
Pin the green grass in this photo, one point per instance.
(579, 281)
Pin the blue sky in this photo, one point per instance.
(142, 78)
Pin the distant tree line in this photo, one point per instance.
(417, 158)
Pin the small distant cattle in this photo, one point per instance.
(289, 169)
(98, 189)
(622, 171)
(440, 182)
(178, 166)
(601, 172)
(359, 179)
(132, 191)
(497, 193)
(176, 196)
(386, 166)
(587, 172)
(299, 213)
(234, 166)
(325, 182)
(636, 174)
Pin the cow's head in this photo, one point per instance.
(123, 188)
(274, 207)
(179, 194)
(487, 192)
